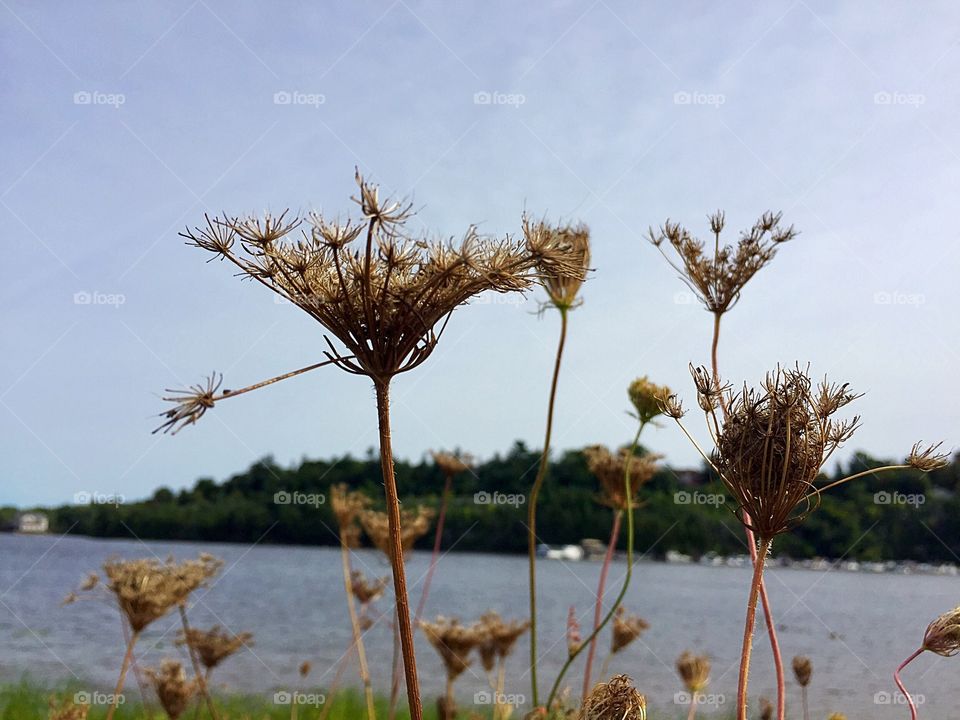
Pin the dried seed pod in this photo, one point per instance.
(413, 526)
(453, 642)
(766, 709)
(694, 671)
(626, 629)
(802, 670)
(173, 689)
(614, 700)
(612, 471)
(943, 634)
(215, 645)
(647, 398)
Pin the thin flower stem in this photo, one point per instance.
(751, 540)
(748, 629)
(693, 706)
(355, 628)
(834, 484)
(899, 682)
(598, 608)
(532, 509)
(195, 662)
(396, 551)
(803, 699)
(124, 666)
(435, 555)
(626, 580)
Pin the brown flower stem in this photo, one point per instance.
(748, 629)
(752, 544)
(693, 706)
(532, 509)
(355, 628)
(598, 608)
(196, 663)
(803, 699)
(899, 682)
(626, 578)
(136, 667)
(435, 555)
(335, 684)
(396, 552)
(394, 671)
(124, 666)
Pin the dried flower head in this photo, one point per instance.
(453, 642)
(773, 442)
(173, 688)
(694, 671)
(574, 639)
(647, 398)
(627, 627)
(414, 524)
(189, 404)
(348, 506)
(617, 699)
(927, 459)
(148, 589)
(450, 464)
(802, 670)
(718, 277)
(766, 709)
(305, 667)
(562, 282)
(497, 637)
(215, 645)
(366, 591)
(943, 634)
(612, 470)
(68, 710)
(388, 300)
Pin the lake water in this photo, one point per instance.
(855, 627)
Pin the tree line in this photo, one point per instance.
(895, 516)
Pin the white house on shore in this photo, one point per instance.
(32, 522)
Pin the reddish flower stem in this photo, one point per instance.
(899, 682)
(598, 608)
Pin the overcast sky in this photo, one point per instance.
(123, 122)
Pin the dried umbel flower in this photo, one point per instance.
(385, 300)
(717, 277)
(68, 710)
(562, 282)
(413, 526)
(450, 464)
(366, 591)
(647, 398)
(943, 634)
(148, 589)
(305, 667)
(802, 670)
(627, 627)
(766, 709)
(694, 671)
(348, 506)
(453, 642)
(173, 689)
(574, 639)
(614, 700)
(497, 637)
(612, 470)
(215, 645)
(773, 443)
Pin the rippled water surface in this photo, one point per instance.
(855, 627)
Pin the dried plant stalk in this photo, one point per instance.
(386, 302)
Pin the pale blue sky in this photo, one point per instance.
(122, 122)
